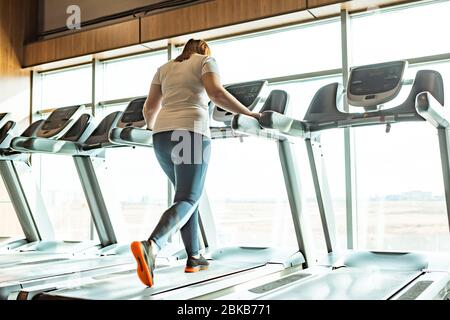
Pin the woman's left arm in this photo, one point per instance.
(152, 105)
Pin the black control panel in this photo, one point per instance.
(247, 93)
(376, 79)
(133, 115)
(59, 118)
(372, 85)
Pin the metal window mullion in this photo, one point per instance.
(171, 52)
(170, 192)
(97, 84)
(349, 147)
(36, 94)
(96, 77)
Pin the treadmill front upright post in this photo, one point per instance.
(323, 198)
(293, 189)
(28, 202)
(208, 231)
(99, 207)
(445, 162)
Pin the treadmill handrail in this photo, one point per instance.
(44, 145)
(67, 145)
(284, 124)
(247, 125)
(432, 110)
(131, 136)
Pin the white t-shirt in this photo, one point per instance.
(185, 101)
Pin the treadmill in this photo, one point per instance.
(228, 266)
(25, 196)
(90, 259)
(85, 145)
(89, 158)
(7, 243)
(358, 274)
(15, 171)
(88, 153)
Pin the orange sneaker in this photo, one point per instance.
(143, 253)
(196, 265)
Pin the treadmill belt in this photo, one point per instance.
(346, 284)
(416, 290)
(21, 258)
(279, 283)
(123, 286)
(23, 273)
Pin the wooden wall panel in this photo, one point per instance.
(14, 81)
(326, 8)
(320, 3)
(82, 43)
(214, 18)
(213, 14)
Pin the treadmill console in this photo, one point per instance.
(4, 117)
(58, 121)
(101, 133)
(372, 85)
(133, 115)
(248, 93)
(5, 133)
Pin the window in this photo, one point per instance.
(134, 177)
(301, 92)
(332, 142)
(131, 77)
(10, 226)
(136, 181)
(400, 194)
(57, 176)
(67, 87)
(247, 194)
(250, 207)
(63, 197)
(399, 188)
(279, 52)
(401, 203)
(400, 33)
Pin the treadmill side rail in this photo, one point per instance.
(430, 109)
(283, 124)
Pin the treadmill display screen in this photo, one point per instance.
(133, 113)
(101, 133)
(376, 79)
(245, 93)
(59, 117)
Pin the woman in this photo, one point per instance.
(176, 110)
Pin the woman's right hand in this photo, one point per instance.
(255, 115)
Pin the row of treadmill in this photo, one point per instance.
(42, 268)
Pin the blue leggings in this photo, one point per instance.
(184, 157)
